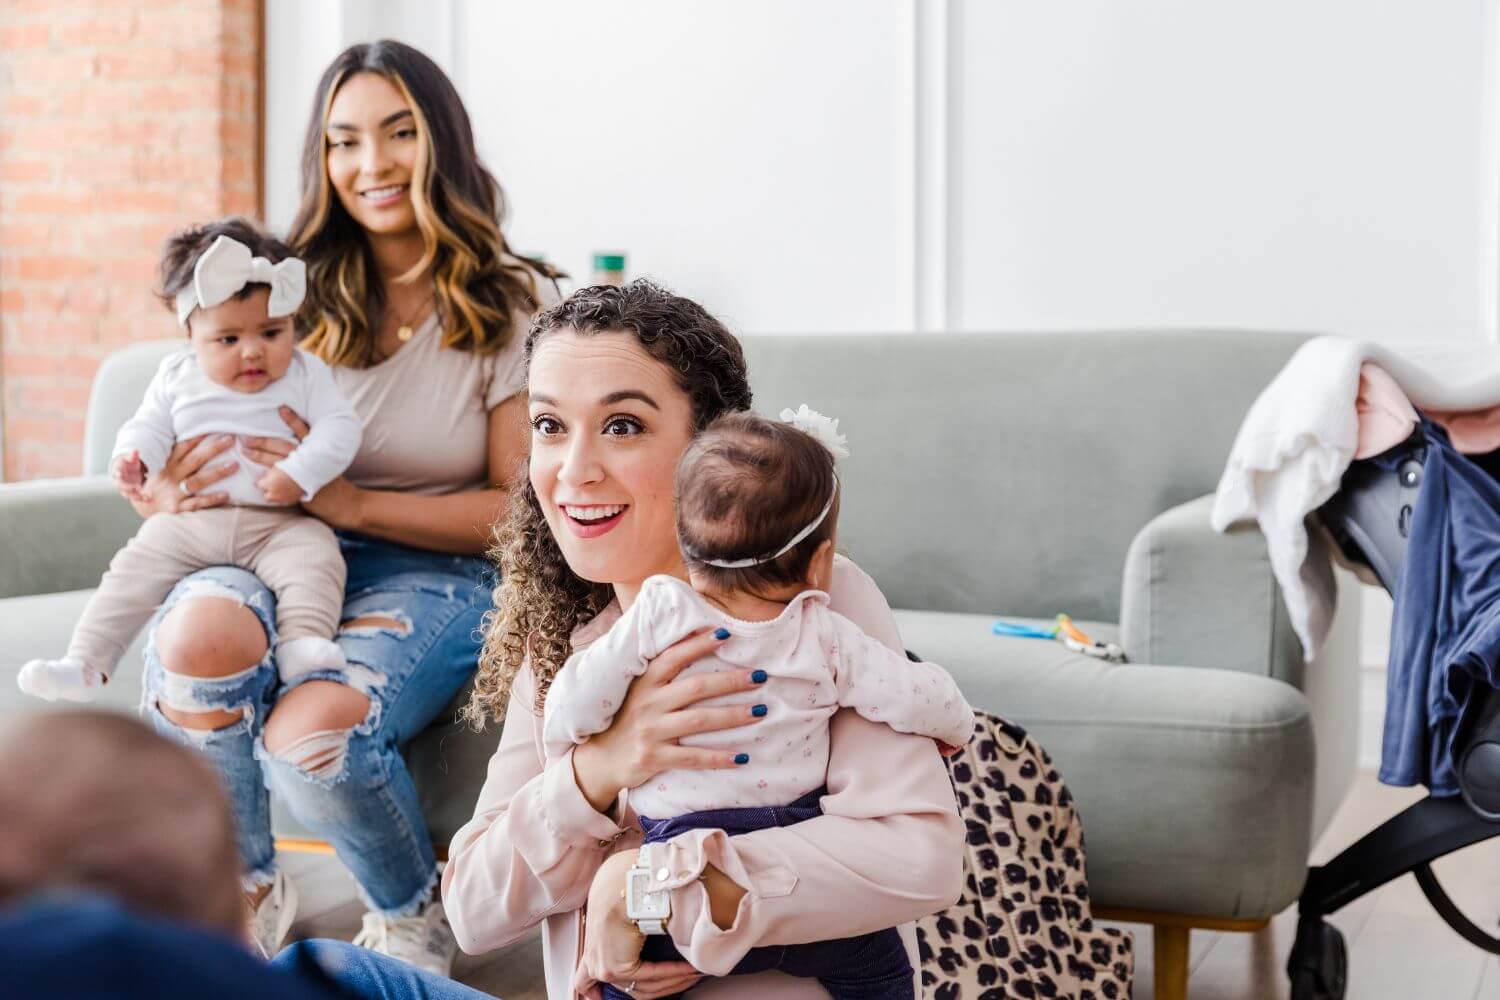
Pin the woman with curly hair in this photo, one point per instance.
(620, 381)
(420, 308)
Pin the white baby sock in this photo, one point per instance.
(67, 679)
(295, 657)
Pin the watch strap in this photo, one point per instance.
(652, 925)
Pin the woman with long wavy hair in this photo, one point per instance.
(420, 307)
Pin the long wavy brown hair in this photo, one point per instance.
(480, 283)
(540, 600)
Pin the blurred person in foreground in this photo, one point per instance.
(119, 873)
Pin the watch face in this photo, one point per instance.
(641, 903)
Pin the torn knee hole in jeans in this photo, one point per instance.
(318, 755)
(396, 624)
(215, 719)
(185, 692)
(196, 588)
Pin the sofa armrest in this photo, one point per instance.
(60, 534)
(1196, 787)
(1194, 597)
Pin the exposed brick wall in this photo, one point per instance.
(119, 122)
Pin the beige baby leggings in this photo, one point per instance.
(294, 554)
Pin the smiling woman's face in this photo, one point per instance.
(373, 146)
(609, 424)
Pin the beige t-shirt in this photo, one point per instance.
(426, 410)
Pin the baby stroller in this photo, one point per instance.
(1370, 519)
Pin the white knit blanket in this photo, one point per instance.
(1300, 436)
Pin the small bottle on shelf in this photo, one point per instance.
(609, 268)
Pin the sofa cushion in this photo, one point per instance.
(39, 626)
(1194, 784)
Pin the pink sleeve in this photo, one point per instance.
(534, 843)
(887, 849)
(884, 686)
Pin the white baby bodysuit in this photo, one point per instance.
(181, 402)
(818, 661)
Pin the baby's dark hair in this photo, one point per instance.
(745, 486)
(180, 255)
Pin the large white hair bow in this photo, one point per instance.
(228, 266)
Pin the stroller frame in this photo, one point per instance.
(1368, 519)
(1407, 842)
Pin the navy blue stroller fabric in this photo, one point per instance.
(1445, 634)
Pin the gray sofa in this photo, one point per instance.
(1011, 474)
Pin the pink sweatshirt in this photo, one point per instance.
(888, 849)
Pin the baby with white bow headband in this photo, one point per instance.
(757, 516)
(236, 292)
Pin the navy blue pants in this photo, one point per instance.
(868, 967)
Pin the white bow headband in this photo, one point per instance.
(824, 430)
(228, 266)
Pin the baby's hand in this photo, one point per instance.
(279, 488)
(129, 475)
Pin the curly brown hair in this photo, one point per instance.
(540, 600)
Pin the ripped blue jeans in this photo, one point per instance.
(358, 794)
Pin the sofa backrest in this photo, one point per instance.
(988, 472)
(119, 387)
(1008, 473)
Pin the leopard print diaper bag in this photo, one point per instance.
(1022, 927)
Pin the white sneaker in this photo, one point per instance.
(424, 940)
(272, 920)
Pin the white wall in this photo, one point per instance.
(1317, 166)
(978, 164)
(756, 156)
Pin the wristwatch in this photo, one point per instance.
(647, 901)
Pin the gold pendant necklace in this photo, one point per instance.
(404, 332)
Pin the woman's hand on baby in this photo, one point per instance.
(659, 709)
(269, 450)
(612, 943)
(336, 504)
(129, 475)
(278, 487)
(188, 464)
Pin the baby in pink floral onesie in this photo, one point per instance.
(757, 512)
